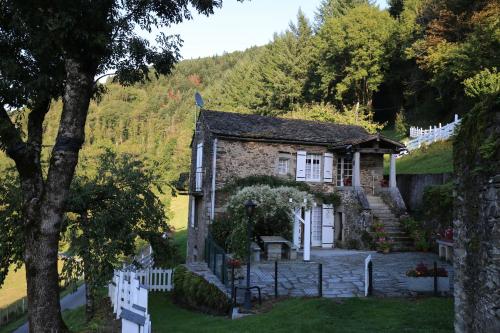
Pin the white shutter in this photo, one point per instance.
(193, 212)
(199, 166)
(301, 165)
(328, 167)
(327, 234)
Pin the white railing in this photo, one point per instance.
(433, 134)
(156, 279)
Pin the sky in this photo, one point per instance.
(238, 26)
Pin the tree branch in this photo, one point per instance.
(10, 138)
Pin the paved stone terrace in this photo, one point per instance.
(343, 273)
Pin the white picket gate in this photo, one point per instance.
(426, 136)
(128, 292)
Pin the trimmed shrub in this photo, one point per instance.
(194, 292)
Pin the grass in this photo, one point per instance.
(435, 158)
(14, 287)
(18, 322)
(179, 208)
(314, 315)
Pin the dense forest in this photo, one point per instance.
(352, 63)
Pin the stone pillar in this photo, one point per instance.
(392, 172)
(356, 172)
(307, 236)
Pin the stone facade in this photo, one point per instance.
(237, 157)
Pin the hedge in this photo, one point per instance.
(194, 292)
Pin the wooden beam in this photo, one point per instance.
(376, 151)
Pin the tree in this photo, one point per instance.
(336, 8)
(353, 51)
(108, 209)
(64, 48)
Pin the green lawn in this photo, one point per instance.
(435, 158)
(314, 315)
(179, 210)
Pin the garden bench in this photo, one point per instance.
(445, 249)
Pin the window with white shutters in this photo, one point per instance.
(313, 167)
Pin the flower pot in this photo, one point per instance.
(426, 284)
(386, 251)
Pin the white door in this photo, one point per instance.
(328, 229)
(316, 226)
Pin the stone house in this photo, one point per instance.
(329, 157)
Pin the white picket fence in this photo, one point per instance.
(433, 134)
(156, 279)
(130, 302)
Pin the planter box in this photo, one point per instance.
(426, 284)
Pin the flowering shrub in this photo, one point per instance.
(272, 217)
(448, 234)
(421, 270)
(382, 241)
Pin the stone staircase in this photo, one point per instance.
(401, 241)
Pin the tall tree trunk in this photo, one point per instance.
(42, 238)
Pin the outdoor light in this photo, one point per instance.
(250, 207)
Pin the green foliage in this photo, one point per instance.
(400, 124)
(221, 230)
(437, 206)
(272, 217)
(360, 116)
(194, 292)
(111, 203)
(419, 231)
(11, 227)
(484, 83)
(354, 54)
(271, 181)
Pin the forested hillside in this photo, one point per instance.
(352, 63)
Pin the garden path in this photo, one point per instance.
(343, 273)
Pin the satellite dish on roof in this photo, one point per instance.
(199, 100)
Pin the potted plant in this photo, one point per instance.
(348, 182)
(236, 264)
(382, 242)
(384, 183)
(421, 279)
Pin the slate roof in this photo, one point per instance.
(251, 126)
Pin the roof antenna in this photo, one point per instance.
(199, 103)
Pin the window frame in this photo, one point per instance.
(311, 158)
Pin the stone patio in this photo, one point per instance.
(343, 273)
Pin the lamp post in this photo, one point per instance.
(250, 209)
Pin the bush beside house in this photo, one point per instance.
(194, 292)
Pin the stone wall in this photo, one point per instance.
(372, 170)
(197, 234)
(412, 187)
(477, 262)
